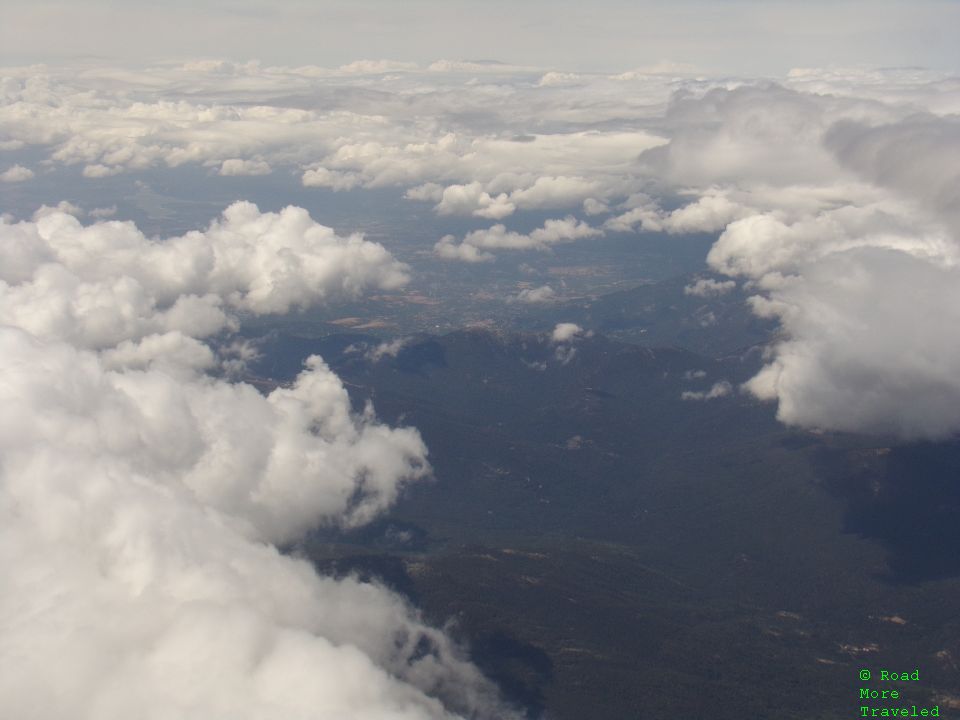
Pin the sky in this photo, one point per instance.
(143, 481)
(751, 37)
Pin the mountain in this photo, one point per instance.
(610, 549)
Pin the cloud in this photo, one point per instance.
(542, 294)
(792, 177)
(553, 192)
(141, 499)
(708, 213)
(564, 336)
(15, 174)
(763, 243)
(911, 87)
(173, 352)
(708, 287)
(238, 166)
(863, 296)
(428, 191)
(447, 248)
(390, 348)
(99, 170)
(545, 192)
(64, 206)
(717, 390)
(472, 200)
(377, 66)
(475, 66)
(749, 134)
(711, 212)
(565, 332)
(360, 126)
(867, 346)
(333, 179)
(918, 157)
(661, 67)
(552, 170)
(552, 79)
(592, 206)
(497, 237)
(98, 285)
(840, 211)
(132, 503)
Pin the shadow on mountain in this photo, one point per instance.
(610, 543)
(420, 357)
(519, 669)
(908, 498)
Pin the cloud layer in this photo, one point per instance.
(141, 498)
(864, 285)
(826, 171)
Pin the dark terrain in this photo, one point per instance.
(608, 550)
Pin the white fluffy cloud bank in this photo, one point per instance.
(798, 179)
(366, 125)
(858, 260)
(99, 285)
(475, 245)
(16, 173)
(141, 499)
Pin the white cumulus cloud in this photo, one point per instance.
(475, 244)
(542, 294)
(565, 332)
(708, 287)
(717, 390)
(15, 174)
(141, 499)
(100, 284)
(239, 166)
(839, 209)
